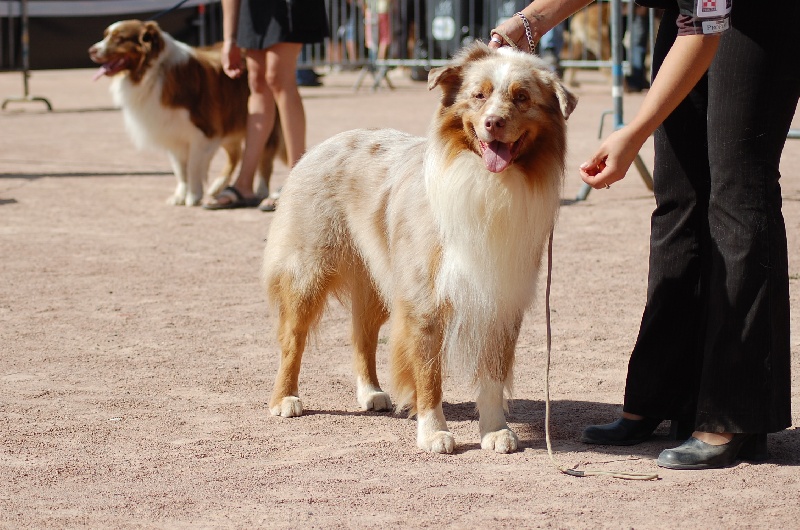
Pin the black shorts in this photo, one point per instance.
(264, 23)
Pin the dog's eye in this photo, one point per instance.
(521, 98)
(479, 95)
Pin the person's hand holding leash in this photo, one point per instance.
(524, 28)
(515, 32)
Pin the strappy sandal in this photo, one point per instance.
(230, 198)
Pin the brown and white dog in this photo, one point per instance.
(177, 98)
(445, 232)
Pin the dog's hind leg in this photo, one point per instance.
(233, 153)
(493, 379)
(417, 368)
(369, 314)
(299, 310)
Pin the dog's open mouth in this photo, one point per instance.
(110, 68)
(497, 156)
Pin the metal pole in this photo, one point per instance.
(616, 60)
(617, 80)
(201, 24)
(26, 97)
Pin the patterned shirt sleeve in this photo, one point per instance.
(704, 17)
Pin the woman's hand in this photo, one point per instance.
(542, 18)
(612, 160)
(231, 57)
(514, 30)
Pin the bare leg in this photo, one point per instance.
(282, 82)
(260, 120)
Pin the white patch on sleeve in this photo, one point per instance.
(715, 26)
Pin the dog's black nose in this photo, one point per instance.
(494, 122)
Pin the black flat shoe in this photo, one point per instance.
(695, 454)
(621, 432)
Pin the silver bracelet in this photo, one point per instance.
(528, 32)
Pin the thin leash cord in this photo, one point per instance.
(168, 10)
(570, 471)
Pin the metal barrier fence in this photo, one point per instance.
(418, 34)
(425, 33)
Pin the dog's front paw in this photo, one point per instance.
(193, 200)
(288, 407)
(176, 200)
(442, 442)
(378, 401)
(370, 396)
(502, 441)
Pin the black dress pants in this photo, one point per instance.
(713, 345)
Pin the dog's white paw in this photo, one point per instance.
(193, 200)
(442, 442)
(289, 407)
(502, 441)
(378, 401)
(371, 397)
(176, 200)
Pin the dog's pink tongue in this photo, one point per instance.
(497, 156)
(107, 69)
(103, 70)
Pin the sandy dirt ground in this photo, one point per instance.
(137, 353)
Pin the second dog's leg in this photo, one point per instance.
(200, 155)
(233, 153)
(178, 162)
(369, 314)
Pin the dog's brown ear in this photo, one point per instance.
(151, 35)
(449, 77)
(567, 101)
(451, 74)
(444, 75)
